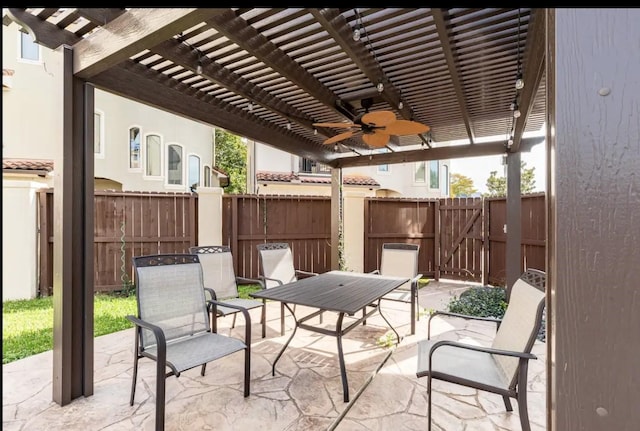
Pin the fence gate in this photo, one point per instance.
(461, 239)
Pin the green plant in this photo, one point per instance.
(27, 325)
(386, 340)
(482, 301)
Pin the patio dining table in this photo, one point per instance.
(343, 292)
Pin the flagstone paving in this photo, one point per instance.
(305, 393)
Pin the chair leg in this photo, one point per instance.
(281, 318)
(522, 410)
(135, 367)
(263, 319)
(233, 323)
(204, 368)
(160, 394)
(247, 369)
(507, 403)
(429, 402)
(133, 381)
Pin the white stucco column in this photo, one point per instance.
(354, 230)
(210, 215)
(20, 235)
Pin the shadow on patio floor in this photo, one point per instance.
(305, 393)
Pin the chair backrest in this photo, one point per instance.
(217, 269)
(170, 294)
(399, 260)
(521, 321)
(276, 262)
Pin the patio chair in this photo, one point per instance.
(220, 277)
(501, 368)
(401, 260)
(277, 268)
(172, 326)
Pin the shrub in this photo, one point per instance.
(486, 301)
(480, 301)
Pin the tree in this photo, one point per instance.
(497, 186)
(461, 185)
(231, 157)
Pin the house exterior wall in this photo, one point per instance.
(30, 117)
(397, 182)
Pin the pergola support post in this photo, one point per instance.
(336, 216)
(514, 221)
(73, 240)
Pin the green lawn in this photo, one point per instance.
(27, 325)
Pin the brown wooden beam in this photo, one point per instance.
(447, 49)
(139, 83)
(42, 32)
(133, 32)
(100, 16)
(337, 26)
(248, 38)
(532, 74)
(187, 57)
(436, 153)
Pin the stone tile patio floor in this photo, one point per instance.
(305, 393)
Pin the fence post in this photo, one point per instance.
(354, 231)
(209, 215)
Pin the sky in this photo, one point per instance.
(479, 168)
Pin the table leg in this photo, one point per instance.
(388, 323)
(343, 370)
(273, 367)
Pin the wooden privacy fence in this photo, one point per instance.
(302, 221)
(459, 238)
(126, 224)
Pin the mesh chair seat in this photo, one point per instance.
(457, 365)
(192, 351)
(241, 302)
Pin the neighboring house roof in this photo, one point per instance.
(27, 166)
(298, 178)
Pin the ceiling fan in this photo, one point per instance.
(375, 127)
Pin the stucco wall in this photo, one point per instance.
(19, 239)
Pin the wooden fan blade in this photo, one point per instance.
(378, 118)
(338, 137)
(337, 125)
(377, 140)
(405, 127)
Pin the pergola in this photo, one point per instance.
(269, 73)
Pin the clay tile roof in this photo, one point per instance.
(288, 177)
(42, 166)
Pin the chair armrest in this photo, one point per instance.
(462, 316)
(158, 333)
(415, 280)
(307, 273)
(245, 313)
(513, 353)
(244, 280)
(264, 279)
(211, 292)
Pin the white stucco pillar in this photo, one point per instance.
(20, 236)
(210, 216)
(354, 230)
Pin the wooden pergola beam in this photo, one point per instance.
(133, 32)
(441, 27)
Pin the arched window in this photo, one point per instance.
(134, 148)
(194, 171)
(434, 174)
(174, 164)
(153, 156)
